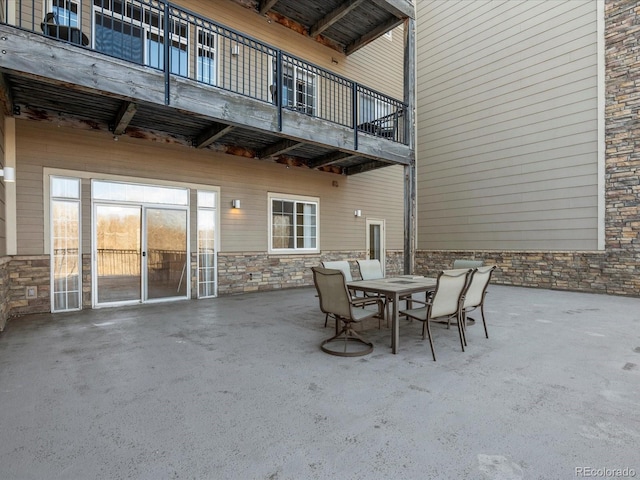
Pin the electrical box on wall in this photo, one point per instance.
(31, 292)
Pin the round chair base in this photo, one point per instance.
(345, 343)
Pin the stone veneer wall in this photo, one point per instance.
(254, 272)
(237, 273)
(4, 291)
(622, 44)
(29, 271)
(597, 272)
(616, 269)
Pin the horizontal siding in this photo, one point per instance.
(379, 194)
(363, 66)
(507, 124)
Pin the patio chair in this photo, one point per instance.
(458, 263)
(475, 294)
(341, 265)
(345, 268)
(335, 300)
(372, 270)
(445, 303)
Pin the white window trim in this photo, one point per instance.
(50, 200)
(208, 49)
(216, 240)
(292, 198)
(49, 8)
(299, 72)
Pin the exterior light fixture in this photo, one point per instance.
(357, 213)
(9, 174)
(235, 203)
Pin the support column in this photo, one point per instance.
(410, 170)
(10, 187)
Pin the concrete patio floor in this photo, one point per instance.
(238, 388)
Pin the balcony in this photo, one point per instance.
(111, 64)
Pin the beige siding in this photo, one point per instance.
(363, 66)
(3, 224)
(378, 194)
(507, 124)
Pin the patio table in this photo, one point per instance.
(393, 288)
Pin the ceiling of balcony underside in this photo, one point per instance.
(42, 101)
(345, 25)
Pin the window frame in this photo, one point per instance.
(150, 34)
(295, 199)
(70, 199)
(71, 18)
(211, 284)
(211, 52)
(298, 75)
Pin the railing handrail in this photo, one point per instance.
(344, 109)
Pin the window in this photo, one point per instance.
(135, 32)
(298, 89)
(372, 109)
(376, 116)
(206, 57)
(177, 51)
(65, 242)
(293, 223)
(207, 257)
(66, 12)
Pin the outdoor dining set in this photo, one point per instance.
(447, 298)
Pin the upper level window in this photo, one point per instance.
(293, 223)
(206, 57)
(66, 12)
(299, 89)
(135, 32)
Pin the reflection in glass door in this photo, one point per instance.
(166, 253)
(118, 253)
(126, 270)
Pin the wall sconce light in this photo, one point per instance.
(357, 213)
(235, 203)
(9, 174)
(234, 50)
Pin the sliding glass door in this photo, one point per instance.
(140, 243)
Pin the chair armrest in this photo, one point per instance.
(365, 301)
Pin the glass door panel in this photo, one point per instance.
(118, 250)
(65, 255)
(375, 241)
(167, 271)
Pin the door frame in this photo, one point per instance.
(369, 222)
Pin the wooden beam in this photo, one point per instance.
(398, 8)
(266, 5)
(365, 167)
(6, 97)
(124, 116)
(333, 17)
(330, 159)
(372, 35)
(211, 134)
(278, 148)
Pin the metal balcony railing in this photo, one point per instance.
(178, 42)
